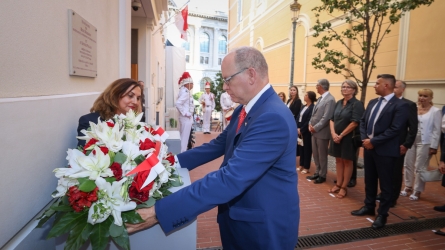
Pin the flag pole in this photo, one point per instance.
(176, 13)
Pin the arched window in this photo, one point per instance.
(222, 45)
(204, 42)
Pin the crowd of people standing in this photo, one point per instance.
(398, 136)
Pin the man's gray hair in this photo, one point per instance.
(403, 83)
(249, 57)
(324, 83)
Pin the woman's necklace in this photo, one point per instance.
(423, 110)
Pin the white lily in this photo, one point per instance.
(63, 184)
(111, 137)
(110, 202)
(72, 157)
(132, 120)
(93, 166)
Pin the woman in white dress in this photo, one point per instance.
(425, 146)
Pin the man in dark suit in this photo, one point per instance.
(380, 126)
(406, 139)
(256, 188)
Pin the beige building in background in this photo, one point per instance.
(413, 51)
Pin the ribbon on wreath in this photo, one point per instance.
(158, 133)
(152, 163)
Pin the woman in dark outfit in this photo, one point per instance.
(442, 170)
(305, 151)
(294, 104)
(344, 121)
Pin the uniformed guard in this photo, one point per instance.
(227, 106)
(184, 104)
(208, 101)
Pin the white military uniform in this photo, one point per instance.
(226, 105)
(184, 104)
(209, 100)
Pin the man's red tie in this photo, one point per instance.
(242, 115)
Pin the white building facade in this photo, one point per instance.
(206, 43)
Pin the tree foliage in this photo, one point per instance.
(369, 21)
(217, 89)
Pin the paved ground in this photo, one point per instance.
(321, 213)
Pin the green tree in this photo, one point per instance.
(369, 21)
(197, 95)
(217, 89)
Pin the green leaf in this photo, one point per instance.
(120, 158)
(100, 234)
(176, 182)
(149, 203)
(45, 217)
(111, 154)
(110, 179)
(115, 230)
(131, 217)
(75, 239)
(87, 185)
(66, 223)
(123, 240)
(139, 159)
(87, 231)
(62, 208)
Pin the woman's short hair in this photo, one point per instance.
(427, 92)
(295, 87)
(312, 96)
(108, 102)
(352, 84)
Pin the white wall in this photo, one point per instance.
(40, 103)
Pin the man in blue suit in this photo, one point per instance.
(255, 188)
(380, 127)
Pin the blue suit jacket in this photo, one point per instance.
(255, 188)
(391, 121)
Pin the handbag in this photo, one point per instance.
(431, 175)
(300, 140)
(356, 139)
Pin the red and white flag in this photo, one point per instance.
(181, 22)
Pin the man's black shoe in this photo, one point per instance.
(363, 211)
(352, 183)
(380, 221)
(378, 197)
(319, 180)
(440, 208)
(312, 177)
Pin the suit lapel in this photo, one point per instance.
(387, 106)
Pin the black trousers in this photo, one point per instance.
(305, 152)
(379, 169)
(398, 178)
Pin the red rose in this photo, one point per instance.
(135, 188)
(117, 170)
(92, 141)
(110, 124)
(147, 144)
(171, 158)
(79, 199)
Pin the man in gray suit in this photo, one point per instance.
(321, 133)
